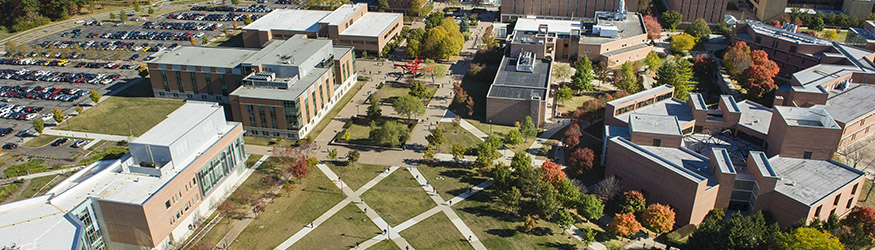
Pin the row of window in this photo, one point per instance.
(208, 82)
(837, 201)
(641, 104)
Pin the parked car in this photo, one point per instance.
(59, 141)
(79, 143)
(10, 146)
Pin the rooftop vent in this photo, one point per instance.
(526, 62)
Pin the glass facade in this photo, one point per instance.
(92, 239)
(220, 166)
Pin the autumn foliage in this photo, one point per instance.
(552, 172)
(624, 224)
(754, 70)
(658, 218)
(653, 27)
(572, 136)
(580, 161)
(462, 102)
(737, 58)
(633, 202)
(862, 216)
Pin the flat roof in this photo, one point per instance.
(372, 24)
(813, 77)
(36, 224)
(222, 57)
(289, 94)
(684, 162)
(562, 27)
(755, 116)
(724, 162)
(295, 50)
(785, 35)
(810, 117)
(510, 83)
(809, 181)
(639, 95)
(342, 13)
(849, 104)
(654, 124)
(633, 25)
(178, 123)
(669, 107)
(289, 19)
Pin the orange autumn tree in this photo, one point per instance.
(624, 224)
(658, 218)
(552, 172)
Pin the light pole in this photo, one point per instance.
(490, 127)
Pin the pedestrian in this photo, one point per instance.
(366, 210)
(384, 231)
(469, 237)
(451, 202)
(363, 200)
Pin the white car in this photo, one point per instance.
(80, 21)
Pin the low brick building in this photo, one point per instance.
(521, 88)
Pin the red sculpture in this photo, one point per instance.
(413, 67)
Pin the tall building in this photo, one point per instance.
(283, 89)
(710, 10)
(350, 25)
(772, 9)
(151, 198)
(739, 156)
(561, 9)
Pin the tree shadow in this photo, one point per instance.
(556, 245)
(541, 231)
(503, 232)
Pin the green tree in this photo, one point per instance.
(433, 19)
(247, 19)
(436, 138)
(682, 43)
(151, 11)
(235, 2)
(382, 5)
(830, 34)
(437, 69)
(487, 152)
(528, 129)
(513, 137)
(546, 204)
(79, 109)
(628, 81)
(437, 44)
(428, 154)
(352, 156)
(810, 238)
(122, 15)
(563, 94)
(374, 110)
(409, 105)
(633, 202)
(391, 134)
(653, 61)
(58, 115)
(458, 152)
(590, 207)
(565, 219)
(94, 95)
(137, 6)
(111, 15)
(413, 48)
(418, 89)
(38, 125)
(676, 73)
(511, 198)
(582, 79)
(332, 154)
(415, 8)
(671, 19)
(817, 24)
(699, 29)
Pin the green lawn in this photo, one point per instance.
(456, 178)
(866, 199)
(337, 107)
(122, 116)
(342, 231)
(40, 141)
(355, 176)
(384, 245)
(29, 167)
(497, 228)
(260, 141)
(253, 158)
(209, 240)
(360, 128)
(233, 39)
(8, 190)
(389, 93)
(289, 213)
(841, 35)
(455, 134)
(576, 101)
(500, 130)
(108, 153)
(35, 186)
(398, 198)
(436, 232)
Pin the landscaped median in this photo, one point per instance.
(383, 132)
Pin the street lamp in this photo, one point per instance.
(490, 127)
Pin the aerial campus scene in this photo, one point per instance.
(417, 124)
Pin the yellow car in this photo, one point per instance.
(145, 49)
(63, 62)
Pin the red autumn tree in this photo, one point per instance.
(775, 23)
(624, 224)
(588, 110)
(737, 58)
(580, 161)
(633, 202)
(653, 27)
(811, 33)
(572, 136)
(758, 80)
(760, 57)
(862, 216)
(798, 23)
(552, 172)
(704, 66)
(658, 218)
(300, 169)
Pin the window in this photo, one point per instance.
(806, 155)
(836, 202)
(817, 211)
(179, 81)
(657, 142)
(850, 202)
(167, 204)
(759, 39)
(164, 80)
(208, 81)
(194, 83)
(251, 112)
(854, 189)
(792, 49)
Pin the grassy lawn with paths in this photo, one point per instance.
(435, 232)
(398, 198)
(122, 116)
(337, 107)
(40, 141)
(34, 187)
(342, 231)
(456, 178)
(455, 134)
(360, 128)
(355, 176)
(388, 93)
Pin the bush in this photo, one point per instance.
(678, 237)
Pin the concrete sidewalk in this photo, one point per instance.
(105, 137)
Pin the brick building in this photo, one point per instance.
(556, 9)
(173, 177)
(349, 25)
(521, 88)
(773, 9)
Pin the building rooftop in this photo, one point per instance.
(293, 51)
(372, 24)
(288, 94)
(178, 122)
(510, 83)
(810, 117)
(813, 77)
(669, 107)
(724, 161)
(342, 13)
(809, 181)
(686, 163)
(631, 26)
(785, 35)
(654, 124)
(205, 56)
(754, 116)
(289, 19)
(559, 27)
(849, 104)
(639, 95)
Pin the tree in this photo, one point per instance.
(608, 188)
(458, 152)
(676, 73)
(111, 15)
(810, 238)
(150, 11)
(863, 217)
(561, 71)
(511, 198)
(382, 5)
(122, 15)
(143, 71)
(417, 89)
(737, 58)
(79, 109)
(565, 219)
(137, 6)
(438, 45)
(580, 161)
(699, 29)
(437, 70)
(433, 19)
(374, 110)
(392, 134)
(487, 152)
(488, 39)
(436, 138)
(415, 8)
(624, 224)
(627, 81)
(247, 19)
(408, 105)
(546, 204)
(513, 137)
(552, 172)
(572, 136)
(413, 48)
(464, 26)
(817, 24)
(58, 115)
(590, 207)
(633, 202)
(563, 94)
(652, 61)
(38, 125)
(830, 34)
(658, 218)
(582, 79)
(352, 157)
(682, 43)
(654, 29)
(529, 225)
(528, 129)
(332, 154)
(300, 170)
(428, 154)
(671, 18)
(94, 95)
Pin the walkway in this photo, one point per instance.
(48, 173)
(105, 137)
(238, 228)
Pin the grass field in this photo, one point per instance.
(355, 176)
(289, 213)
(342, 231)
(385, 245)
(455, 134)
(388, 94)
(253, 158)
(866, 197)
(436, 232)
(841, 35)
(498, 229)
(337, 107)
(576, 101)
(8, 190)
(235, 39)
(456, 178)
(40, 141)
(34, 187)
(29, 167)
(359, 130)
(398, 198)
(500, 130)
(261, 141)
(108, 153)
(122, 116)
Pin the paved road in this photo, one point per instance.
(55, 172)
